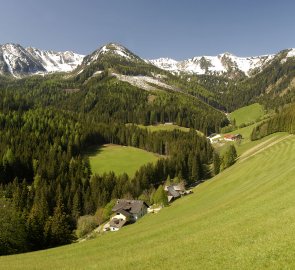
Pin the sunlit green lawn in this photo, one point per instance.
(119, 159)
(247, 114)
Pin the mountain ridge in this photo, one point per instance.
(18, 61)
(217, 65)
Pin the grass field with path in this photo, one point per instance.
(247, 114)
(246, 143)
(244, 218)
(119, 159)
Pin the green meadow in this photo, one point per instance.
(244, 218)
(245, 144)
(163, 127)
(119, 159)
(247, 114)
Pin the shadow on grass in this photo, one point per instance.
(93, 150)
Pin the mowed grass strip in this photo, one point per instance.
(247, 114)
(119, 159)
(244, 218)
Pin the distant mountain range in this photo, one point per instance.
(215, 65)
(19, 61)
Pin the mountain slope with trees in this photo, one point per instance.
(47, 123)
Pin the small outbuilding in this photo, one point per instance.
(232, 137)
(214, 138)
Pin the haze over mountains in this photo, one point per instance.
(18, 61)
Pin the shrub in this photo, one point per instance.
(85, 225)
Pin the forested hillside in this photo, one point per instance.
(273, 86)
(46, 123)
(283, 121)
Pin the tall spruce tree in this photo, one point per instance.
(57, 228)
(13, 233)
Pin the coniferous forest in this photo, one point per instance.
(46, 124)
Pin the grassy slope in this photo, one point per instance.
(119, 159)
(247, 114)
(246, 144)
(242, 219)
(163, 127)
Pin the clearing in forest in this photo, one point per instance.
(119, 159)
(247, 114)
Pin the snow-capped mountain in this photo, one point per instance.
(18, 61)
(57, 61)
(221, 64)
(111, 49)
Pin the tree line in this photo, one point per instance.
(284, 121)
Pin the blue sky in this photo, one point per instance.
(152, 28)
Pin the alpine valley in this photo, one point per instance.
(84, 139)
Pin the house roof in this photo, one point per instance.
(173, 192)
(178, 188)
(130, 206)
(229, 136)
(123, 212)
(117, 223)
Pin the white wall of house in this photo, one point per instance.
(119, 216)
(114, 229)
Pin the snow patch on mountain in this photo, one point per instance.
(291, 53)
(18, 61)
(57, 61)
(7, 61)
(165, 63)
(219, 64)
(116, 49)
(110, 49)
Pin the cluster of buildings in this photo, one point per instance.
(176, 191)
(129, 211)
(215, 138)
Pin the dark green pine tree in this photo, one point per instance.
(195, 169)
(160, 196)
(216, 163)
(13, 234)
(232, 155)
(77, 204)
(229, 157)
(37, 219)
(57, 228)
